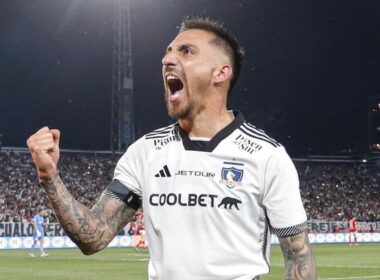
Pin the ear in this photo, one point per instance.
(222, 74)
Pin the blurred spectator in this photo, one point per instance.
(85, 175)
(330, 191)
(337, 191)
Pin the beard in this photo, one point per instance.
(193, 99)
(177, 112)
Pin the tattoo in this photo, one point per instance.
(92, 230)
(298, 257)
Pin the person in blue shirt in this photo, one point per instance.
(38, 232)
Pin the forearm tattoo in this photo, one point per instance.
(298, 257)
(91, 229)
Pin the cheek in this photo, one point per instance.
(200, 75)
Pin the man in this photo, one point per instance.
(352, 231)
(140, 230)
(213, 187)
(38, 232)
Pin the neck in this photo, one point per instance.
(207, 123)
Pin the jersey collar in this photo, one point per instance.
(209, 146)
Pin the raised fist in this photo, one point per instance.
(44, 147)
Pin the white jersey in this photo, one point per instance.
(210, 206)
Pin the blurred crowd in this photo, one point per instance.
(330, 191)
(85, 176)
(336, 192)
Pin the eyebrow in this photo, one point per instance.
(182, 47)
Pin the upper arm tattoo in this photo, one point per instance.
(298, 257)
(93, 229)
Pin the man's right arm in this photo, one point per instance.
(91, 229)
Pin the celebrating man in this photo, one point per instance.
(213, 186)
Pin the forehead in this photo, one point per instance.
(193, 36)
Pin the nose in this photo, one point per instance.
(169, 59)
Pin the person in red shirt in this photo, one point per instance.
(141, 231)
(352, 231)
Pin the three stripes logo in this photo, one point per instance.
(164, 172)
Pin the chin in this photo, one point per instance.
(178, 114)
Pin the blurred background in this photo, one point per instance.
(92, 68)
(310, 78)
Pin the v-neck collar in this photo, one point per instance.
(209, 146)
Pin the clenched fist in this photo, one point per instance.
(44, 147)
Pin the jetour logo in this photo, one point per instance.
(232, 176)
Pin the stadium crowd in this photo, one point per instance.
(330, 191)
(338, 191)
(85, 175)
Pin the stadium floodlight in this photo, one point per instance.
(122, 102)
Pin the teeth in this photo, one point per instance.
(171, 77)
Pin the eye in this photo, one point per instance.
(188, 51)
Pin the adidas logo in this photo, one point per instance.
(164, 172)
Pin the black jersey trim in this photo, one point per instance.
(248, 131)
(165, 128)
(290, 231)
(161, 135)
(161, 132)
(120, 192)
(209, 146)
(243, 130)
(257, 129)
(260, 133)
(265, 241)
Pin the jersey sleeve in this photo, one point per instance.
(282, 199)
(126, 183)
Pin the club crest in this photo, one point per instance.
(232, 176)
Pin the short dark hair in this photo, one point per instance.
(224, 39)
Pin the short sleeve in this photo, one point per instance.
(282, 199)
(128, 171)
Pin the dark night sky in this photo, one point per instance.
(310, 67)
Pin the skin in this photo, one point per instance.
(205, 72)
(298, 257)
(201, 108)
(91, 229)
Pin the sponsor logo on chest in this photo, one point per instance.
(247, 144)
(192, 199)
(231, 176)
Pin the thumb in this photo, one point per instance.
(56, 136)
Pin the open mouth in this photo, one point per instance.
(175, 85)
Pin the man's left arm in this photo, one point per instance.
(298, 257)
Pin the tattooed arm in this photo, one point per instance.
(298, 257)
(93, 229)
